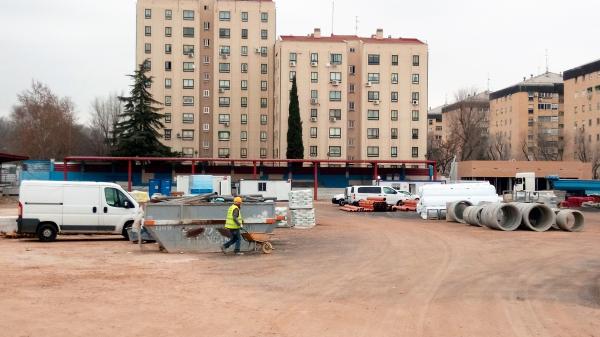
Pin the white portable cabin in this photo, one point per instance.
(435, 197)
(278, 189)
(219, 184)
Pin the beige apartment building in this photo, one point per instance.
(528, 116)
(360, 98)
(435, 128)
(212, 63)
(582, 111)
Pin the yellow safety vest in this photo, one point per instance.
(229, 223)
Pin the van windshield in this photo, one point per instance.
(115, 198)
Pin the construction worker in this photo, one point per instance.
(234, 223)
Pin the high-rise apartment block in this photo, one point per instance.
(212, 63)
(360, 98)
(582, 112)
(528, 116)
(225, 81)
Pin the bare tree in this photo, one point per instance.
(6, 135)
(464, 93)
(498, 148)
(442, 151)
(105, 114)
(588, 153)
(44, 124)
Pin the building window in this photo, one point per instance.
(244, 136)
(167, 100)
(168, 83)
(372, 151)
(188, 100)
(224, 67)
(244, 102)
(335, 76)
(243, 152)
(373, 133)
(373, 77)
(224, 33)
(415, 152)
(264, 119)
(313, 132)
(168, 48)
(167, 65)
(187, 134)
(264, 102)
(373, 115)
(244, 84)
(415, 97)
(224, 118)
(335, 132)
(394, 78)
(206, 25)
(167, 118)
(314, 57)
(313, 151)
(224, 136)
(263, 68)
(187, 152)
(244, 68)
(351, 106)
(373, 59)
(206, 110)
(148, 13)
(188, 31)
(224, 84)
(224, 15)
(415, 133)
(168, 14)
(244, 16)
(394, 133)
(264, 34)
(263, 86)
(147, 48)
(188, 15)
(394, 96)
(206, 76)
(148, 31)
(223, 152)
(168, 31)
(415, 115)
(314, 77)
(393, 151)
(206, 43)
(244, 50)
(206, 93)
(373, 96)
(415, 60)
(188, 118)
(188, 66)
(263, 136)
(351, 70)
(264, 17)
(244, 119)
(415, 78)
(336, 58)
(335, 114)
(167, 134)
(350, 124)
(351, 88)
(335, 96)
(313, 113)
(205, 127)
(292, 75)
(394, 115)
(263, 152)
(335, 151)
(224, 102)
(188, 49)
(244, 33)
(394, 60)
(188, 84)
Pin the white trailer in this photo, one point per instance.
(408, 186)
(201, 183)
(267, 188)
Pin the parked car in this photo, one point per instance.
(356, 193)
(339, 199)
(49, 208)
(405, 195)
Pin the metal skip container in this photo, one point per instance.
(173, 225)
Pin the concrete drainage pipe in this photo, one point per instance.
(536, 217)
(504, 217)
(570, 220)
(455, 210)
(472, 215)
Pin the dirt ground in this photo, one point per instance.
(353, 275)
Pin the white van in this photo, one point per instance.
(356, 193)
(49, 208)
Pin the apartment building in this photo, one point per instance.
(435, 128)
(582, 111)
(360, 98)
(212, 63)
(470, 111)
(528, 117)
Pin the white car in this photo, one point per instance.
(405, 195)
(356, 193)
(339, 199)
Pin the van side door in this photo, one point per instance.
(81, 209)
(391, 195)
(116, 209)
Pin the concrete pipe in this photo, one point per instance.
(504, 217)
(467, 217)
(570, 220)
(536, 217)
(474, 218)
(454, 210)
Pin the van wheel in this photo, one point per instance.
(399, 203)
(47, 233)
(127, 225)
(342, 202)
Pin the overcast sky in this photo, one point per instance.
(84, 48)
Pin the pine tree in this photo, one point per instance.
(136, 133)
(295, 147)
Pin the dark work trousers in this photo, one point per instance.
(235, 238)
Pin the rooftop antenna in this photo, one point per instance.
(332, 15)
(488, 82)
(547, 66)
(356, 25)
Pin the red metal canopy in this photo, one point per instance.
(7, 157)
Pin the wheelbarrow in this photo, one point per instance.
(261, 241)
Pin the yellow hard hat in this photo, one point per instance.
(237, 200)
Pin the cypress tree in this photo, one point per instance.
(295, 147)
(136, 132)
